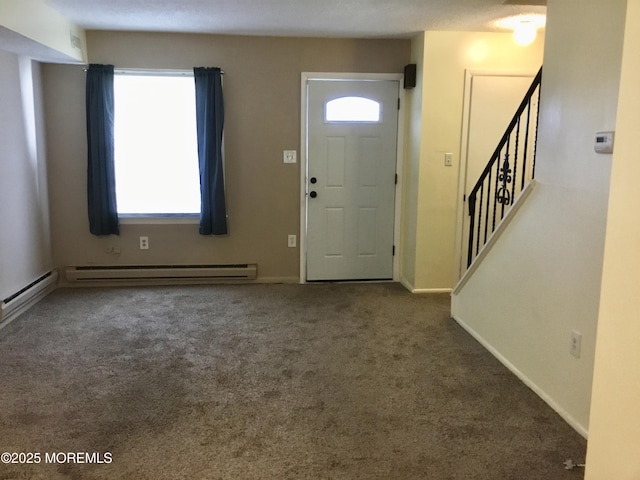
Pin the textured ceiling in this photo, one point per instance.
(313, 18)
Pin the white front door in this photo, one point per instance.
(351, 149)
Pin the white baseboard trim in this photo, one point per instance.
(409, 286)
(577, 426)
(287, 280)
(431, 290)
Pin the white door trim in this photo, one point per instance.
(305, 76)
(459, 258)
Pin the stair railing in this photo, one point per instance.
(509, 171)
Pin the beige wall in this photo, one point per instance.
(262, 98)
(614, 440)
(25, 252)
(541, 280)
(442, 59)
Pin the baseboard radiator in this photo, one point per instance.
(12, 306)
(160, 274)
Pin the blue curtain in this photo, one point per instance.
(210, 122)
(101, 185)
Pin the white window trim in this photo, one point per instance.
(177, 219)
(153, 72)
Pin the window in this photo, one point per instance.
(156, 153)
(352, 109)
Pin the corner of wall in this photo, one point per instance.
(43, 33)
(542, 279)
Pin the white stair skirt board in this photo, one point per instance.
(24, 299)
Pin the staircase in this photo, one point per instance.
(509, 171)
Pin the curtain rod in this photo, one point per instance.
(148, 71)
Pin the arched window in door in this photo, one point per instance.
(352, 109)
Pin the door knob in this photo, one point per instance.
(313, 180)
(313, 194)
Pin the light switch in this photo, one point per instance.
(290, 156)
(448, 159)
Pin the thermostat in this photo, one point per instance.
(604, 142)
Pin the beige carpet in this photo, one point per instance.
(338, 381)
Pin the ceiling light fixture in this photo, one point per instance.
(525, 33)
(525, 27)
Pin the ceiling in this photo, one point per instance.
(307, 18)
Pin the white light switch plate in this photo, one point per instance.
(448, 159)
(290, 156)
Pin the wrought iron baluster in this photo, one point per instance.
(495, 205)
(505, 177)
(472, 214)
(515, 162)
(479, 219)
(535, 140)
(485, 219)
(526, 145)
(489, 196)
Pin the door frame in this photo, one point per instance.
(469, 73)
(329, 76)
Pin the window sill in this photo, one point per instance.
(159, 219)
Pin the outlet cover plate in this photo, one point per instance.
(576, 344)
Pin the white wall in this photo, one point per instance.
(24, 209)
(436, 115)
(542, 278)
(614, 440)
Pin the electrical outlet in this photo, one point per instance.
(144, 243)
(576, 344)
(291, 241)
(112, 250)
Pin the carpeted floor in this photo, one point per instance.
(336, 381)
